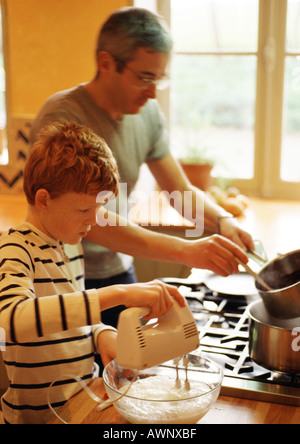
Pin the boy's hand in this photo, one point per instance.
(106, 344)
(156, 295)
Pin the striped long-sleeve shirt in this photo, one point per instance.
(50, 322)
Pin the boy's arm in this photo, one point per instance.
(26, 317)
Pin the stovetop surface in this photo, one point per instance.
(223, 325)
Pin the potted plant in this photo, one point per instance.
(197, 161)
(198, 156)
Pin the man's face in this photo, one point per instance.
(129, 92)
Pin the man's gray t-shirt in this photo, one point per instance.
(133, 140)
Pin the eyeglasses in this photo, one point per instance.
(145, 82)
(160, 84)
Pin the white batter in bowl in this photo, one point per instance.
(154, 398)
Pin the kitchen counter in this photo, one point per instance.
(81, 409)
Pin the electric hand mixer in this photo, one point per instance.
(170, 336)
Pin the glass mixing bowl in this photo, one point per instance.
(154, 396)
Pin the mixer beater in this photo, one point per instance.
(185, 361)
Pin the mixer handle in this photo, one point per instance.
(134, 313)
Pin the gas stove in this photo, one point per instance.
(223, 325)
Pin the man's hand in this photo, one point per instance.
(215, 253)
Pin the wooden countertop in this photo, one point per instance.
(81, 409)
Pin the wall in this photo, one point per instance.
(50, 47)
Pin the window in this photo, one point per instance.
(235, 90)
(214, 77)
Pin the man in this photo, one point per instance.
(133, 52)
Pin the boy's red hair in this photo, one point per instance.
(69, 157)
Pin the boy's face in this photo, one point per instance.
(69, 217)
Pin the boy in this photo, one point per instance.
(53, 327)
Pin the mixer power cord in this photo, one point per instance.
(102, 404)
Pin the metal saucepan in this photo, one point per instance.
(274, 343)
(282, 274)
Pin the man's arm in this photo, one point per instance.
(171, 177)
(214, 253)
